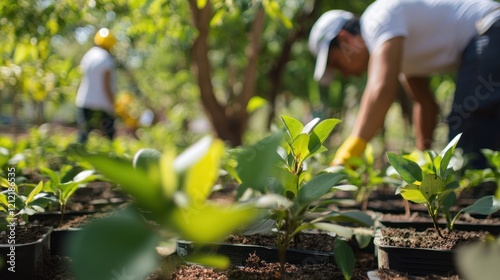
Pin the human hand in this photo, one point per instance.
(353, 146)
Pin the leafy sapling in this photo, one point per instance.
(63, 189)
(19, 205)
(434, 184)
(275, 169)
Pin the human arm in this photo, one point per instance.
(425, 109)
(380, 92)
(108, 88)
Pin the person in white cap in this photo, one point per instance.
(408, 41)
(96, 94)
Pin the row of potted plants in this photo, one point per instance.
(279, 193)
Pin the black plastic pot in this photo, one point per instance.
(415, 261)
(59, 240)
(238, 253)
(29, 259)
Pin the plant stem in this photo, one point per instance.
(63, 207)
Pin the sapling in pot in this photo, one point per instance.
(293, 196)
(434, 184)
(63, 189)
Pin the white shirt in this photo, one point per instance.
(91, 93)
(436, 31)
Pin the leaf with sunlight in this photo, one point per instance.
(407, 169)
(209, 223)
(431, 185)
(412, 193)
(293, 128)
(201, 177)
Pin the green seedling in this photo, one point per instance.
(434, 184)
(366, 176)
(18, 206)
(170, 201)
(477, 178)
(294, 197)
(62, 187)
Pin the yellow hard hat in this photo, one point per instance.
(104, 38)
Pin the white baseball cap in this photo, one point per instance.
(324, 30)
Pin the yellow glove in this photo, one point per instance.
(353, 146)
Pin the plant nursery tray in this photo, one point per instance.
(415, 261)
(238, 253)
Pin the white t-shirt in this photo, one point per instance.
(436, 31)
(91, 93)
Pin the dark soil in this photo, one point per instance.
(258, 269)
(429, 238)
(312, 242)
(24, 234)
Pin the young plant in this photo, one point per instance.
(293, 196)
(19, 206)
(434, 185)
(366, 176)
(170, 194)
(62, 187)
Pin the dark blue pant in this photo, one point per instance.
(476, 105)
(89, 119)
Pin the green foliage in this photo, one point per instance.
(169, 190)
(363, 174)
(21, 202)
(282, 185)
(62, 186)
(434, 185)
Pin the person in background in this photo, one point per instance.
(407, 41)
(96, 95)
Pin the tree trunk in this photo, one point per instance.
(229, 121)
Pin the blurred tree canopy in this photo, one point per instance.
(183, 55)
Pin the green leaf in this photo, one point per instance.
(255, 163)
(67, 190)
(255, 102)
(293, 128)
(431, 185)
(198, 187)
(363, 236)
(300, 148)
(407, 169)
(34, 192)
(324, 128)
(133, 181)
(447, 153)
(317, 187)
(114, 247)
(201, 3)
(53, 176)
(342, 231)
(485, 205)
(412, 193)
(217, 261)
(344, 257)
(209, 223)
